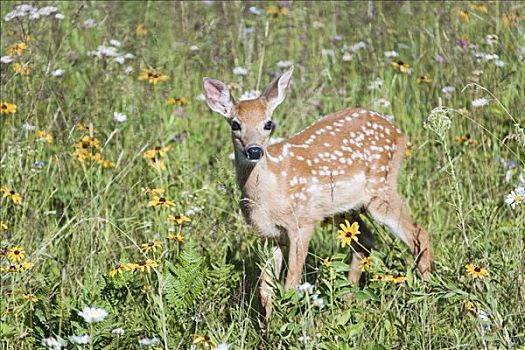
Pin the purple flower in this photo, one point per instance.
(336, 38)
(439, 58)
(462, 43)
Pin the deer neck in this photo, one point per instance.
(252, 178)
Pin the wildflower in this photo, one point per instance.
(476, 271)
(469, 305)
(347, 57)
(348, 233)
(356, 47)
(464, 15)
(336, 38)
(491, 39)
(15, 197)
(17, 267)
(382, 102)
(119, 117)
(240, 71)
(389, 278)
(466, 140)
(277, 11)
(448, 90)
(160, 201)
(16, 254)
(157, 164)
(30, 297)
(401, 66)
(44, 136)
(327, 262)
(479, 7)
(398, 279)
(22, 69)
(58, 72)
(222, 346)
(153, 76)
(120, 268)
(177, 101)
(157, 151)
(140, 30)
(148, 341)
(424, 79)
(375, 84)
(176, 238)
(199, 339)
(16, 49)
(150, 246)
(118, 331)
(83, 127)
(391, 54)
(88, 142)
(256, 11)
(93, 314)
(179, 219)
(249, 95)
(499, 63)
(7, 59)
(148, 190)
(3, 225)
(90, 23)
(317, 301)
(53, 343)
(365, 263)
(305, 288)
(479, 102)
(146, 265)
(516, 197)
(80, 339)
(7, 108)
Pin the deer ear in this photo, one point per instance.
(218, 96)
(276, 91)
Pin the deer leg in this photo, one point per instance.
(391, 210)
(269, 274)
(299, 241)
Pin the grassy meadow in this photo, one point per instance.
(118, 192)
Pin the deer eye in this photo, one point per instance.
(268, 125)
(236, 126)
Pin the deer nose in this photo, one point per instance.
(254, 152)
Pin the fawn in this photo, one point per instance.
(345, 161)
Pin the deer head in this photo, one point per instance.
(251, 120)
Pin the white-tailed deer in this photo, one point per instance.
(345, 161)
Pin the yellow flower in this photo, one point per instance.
(401, 66)
(177, 101)
(157, 164)
(148, 190)
(424, 79)
(120, 268)
(146, 265)
(25, 266)
(30, 297)
(153, 76)
(22, 69)
(398, 279)
(476, 271)
(15, 197)
(150, 246)
(3, 225)
(277, 11)
(464, 15)
(512, 19)
(201, 339)
(16, 254)
(466, 140)
(389, 278)
(160, 201)
(409, 148)
(176, 238)
(469, 305)
(7, 108)
(140, 30)
(179, 219)
(348, 233)
(365, 263)
(157, 151)
(16, 49)
(88, 142)
(481, 7)
(44, 136)
(82, 127)
(327, 262)
(17, 267)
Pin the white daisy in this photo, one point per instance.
(93, 314)
(382, 102)
(499, 63)
(58, 72)
(53, 343)
(7, 59)
(319, 302)
(240, 71)
(222, 346)
(118, 331)
(376, 84)
(148, 341)
(448, 90)
(249, 95)
(90, 23)
(114, 42)
(119, 117)
(391, 54)
(80, 339)
(516, 197)
(305, 288)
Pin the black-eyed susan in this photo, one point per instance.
(466, 140)
(17, 49)
(476, 271)
(158, 151)
(348, 233)
(156, 191)
(88, 142)
(151, 246)
(464, 15)
(389, 278)
(16, 254)
(277, 11)
(423, 79)
(140, 30)
(176, 238)
(14, 196)
(146, 265)
(199, 339)
(179, 219)
(479, 7)
(22, 69)
(83, 127)
(365, 263)
(44, 136)
(3, 225)
(469, 305)
(177, 101)
(326, 262)
(156, 164)
(7, 108)
(153, 76)
(120, 268)
(9, 268)
(157, 201)
(30, 297)
(400, 66)
(398, 279)
(17, 267)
